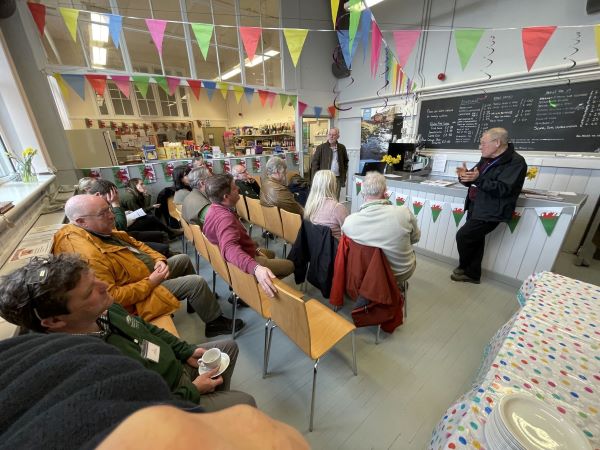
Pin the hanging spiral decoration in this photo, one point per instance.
(488, 57)
(386, 74)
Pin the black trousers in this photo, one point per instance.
(470, 242)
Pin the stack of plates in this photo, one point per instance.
(522, 422)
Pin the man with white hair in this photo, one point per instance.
(246, 184)
(381, 224)
(139, 279)
(196, 203)
(331, 155)
(274, 191)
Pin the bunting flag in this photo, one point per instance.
(167, 169)
(514, 220)
(173, 83)
(358, 186)
(294, 39)
(344, 45)
(203, 33)
(121, 176)
(596, 38)
(263, 95)
(283, 99)
(238, 91)
(77, 83)
(98, 83)
(62, 85)
(405, 43)
(122, 82)
(302, 107)
(70, 16)
(400, 199)
(417, 204)
(293, 99)
(466, 43)
(397, 78)
(332, 110)
(156, 28)
(549, 217)
(400, 80)
(318, 110)
(249, 93)
(250, 37)
(115, 23)
(335, 4)
(390, 195)
(148, 173)
(38, 12)
(534, 41)
(162, 82)
(141, 82)
(195, 86)
(376, 38)
(458, 212)
(93, 172)
(436, 209)
(272, 96)
(365, 29)
(394, 71)
(355, 11)
(224, 88)
(256, 164)
(210, 88)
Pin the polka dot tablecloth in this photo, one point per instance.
(549, 349)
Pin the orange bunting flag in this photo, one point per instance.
(195, 86)
(38, 11)
(534, 41)
(332, 110)
(250, 37)
(263, 96)
(98, 83)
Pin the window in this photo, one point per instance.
(168, 103)
(121, 104)
(6, 167)
(147, 106)
(183, 101)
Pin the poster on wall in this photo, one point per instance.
(376, 131)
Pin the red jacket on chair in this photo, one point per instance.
(364, 271)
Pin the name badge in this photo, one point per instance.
(150, 351)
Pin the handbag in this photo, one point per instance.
(371, 313)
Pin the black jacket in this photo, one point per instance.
(498, 188)
(315, 245)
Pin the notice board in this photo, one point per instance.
(561, 118)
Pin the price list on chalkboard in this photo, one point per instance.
(563, 118)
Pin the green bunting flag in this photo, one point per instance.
(549, 218)
(203, 33)
(436, 209)
(162, 82)
(466, 43)
(417, 204)
(458, 212)
(141, 83)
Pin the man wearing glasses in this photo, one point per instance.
(141, 280)
(246, 184)
(494, 186)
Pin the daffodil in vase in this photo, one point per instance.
(389, 161)
(24, 165)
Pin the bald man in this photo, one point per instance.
(141, 280)
(246, 184)
(331, 155)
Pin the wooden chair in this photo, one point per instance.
(175, 213)
(246, 288)
(242, 211)
(258, 179)
(255, 212)
(272, 222)
(312, 326)
(187, 233)
(291, 223)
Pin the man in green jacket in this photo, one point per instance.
(60, 294)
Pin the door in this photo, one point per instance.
(214, 137)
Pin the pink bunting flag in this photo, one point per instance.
(250, 37)
(195, 87)
(405, 43)
(122, 82)
(156, 28)
(302, 107)
(534, 41)
(263, 95)
(376, 38)
(38, 11)
(173, 82)
(272, 96)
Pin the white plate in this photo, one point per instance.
(535, 426)
(222, 368)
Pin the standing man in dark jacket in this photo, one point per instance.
(494, 186)
(331, 155)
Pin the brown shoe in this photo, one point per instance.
(464, 278)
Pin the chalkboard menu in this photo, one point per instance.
(564, 118)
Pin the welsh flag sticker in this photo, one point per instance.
(358, 186)
(458, 212)
(436, 209)
(417, 204)
(549, 218)
(400, 199)
(514, 220)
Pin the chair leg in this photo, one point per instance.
(405, 289)
(233, 313)
(250, 230)
(312, 400)
(214, 282)
(354, 368)
(270, 340)
(197, 262)
(377, 336)
(265, 358)
(284, 249)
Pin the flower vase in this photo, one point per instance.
(388, 169)
(27, 174)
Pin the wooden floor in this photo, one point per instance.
(404, 384)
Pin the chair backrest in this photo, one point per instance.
(187, 232)
(199, 241)
(272, 220)
(291, 223)
(288, 310)
(242, 209)
(258, 179)
(216, 260)
(173, 211)
(255, 212)
(247, 288)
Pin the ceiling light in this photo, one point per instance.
(98, 56)
(271, 53)
(361, 6)
(232, 73)
(256, 61)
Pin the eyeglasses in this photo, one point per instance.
(105, 212)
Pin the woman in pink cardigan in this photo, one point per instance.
(322, 207)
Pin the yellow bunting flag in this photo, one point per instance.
(238, 91)
(223, 87)
(295, 41)
(597, 36)
(64, 89)
(335, 4)
(70, 16)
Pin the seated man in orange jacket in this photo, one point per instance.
(139, 279)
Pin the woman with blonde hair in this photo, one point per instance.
(322, 207)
